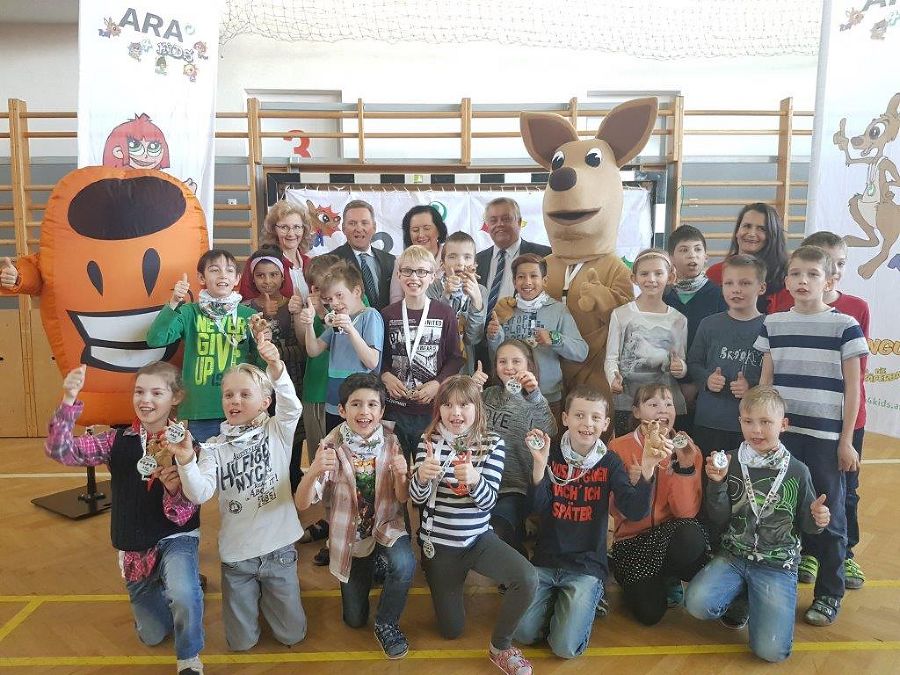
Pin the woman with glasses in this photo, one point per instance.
(286, 229)
(423, 226)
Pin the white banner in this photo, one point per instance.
(147, 88)
(855, 183)
(461, 210)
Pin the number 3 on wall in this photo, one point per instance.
(302, 147)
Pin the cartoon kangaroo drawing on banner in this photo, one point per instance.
(874, 209)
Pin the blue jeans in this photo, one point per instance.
(170, 599)
(401, 565)
(203, 430)
(772, 597)
(830, 546)
(562, 611)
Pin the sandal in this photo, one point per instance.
(854, 577)
(807, 570)
(823, 611)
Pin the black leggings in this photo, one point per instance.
(685, 557)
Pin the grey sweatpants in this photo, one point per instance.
(268, 583)
(493, 558)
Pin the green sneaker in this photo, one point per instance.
(853, 575)
(807, 570)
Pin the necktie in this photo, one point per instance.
(494, 293)
(368, 280)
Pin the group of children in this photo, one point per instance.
(395, 410)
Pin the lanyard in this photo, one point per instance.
(571, 272)
(413, 348)
(432, 498)
(571, 476)
(772, 495)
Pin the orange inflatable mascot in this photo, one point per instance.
(113, 244)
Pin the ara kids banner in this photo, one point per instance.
(855, 181)
(461, 210)
(147, 88)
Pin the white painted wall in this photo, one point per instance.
(39, 63)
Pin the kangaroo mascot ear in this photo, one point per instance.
(543, 133)
(627, 128)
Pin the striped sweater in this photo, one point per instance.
(459, 519)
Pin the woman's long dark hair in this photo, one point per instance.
(774, 251)
(435, 218)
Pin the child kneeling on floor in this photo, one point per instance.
(574, 480)
(249, 463)
(361, 474)
(153, 525)
(763, 498)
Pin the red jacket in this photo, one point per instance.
(674, 495)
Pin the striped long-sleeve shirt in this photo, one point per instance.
(459, 519)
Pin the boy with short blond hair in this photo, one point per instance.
(421, 348)
(763, 498)
(460, 289)
(722, 359)
(812, 356)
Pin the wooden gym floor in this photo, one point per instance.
(63, 608)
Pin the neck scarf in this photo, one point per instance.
(574, 458)
(691, 285)
(773, 459)
(365, 447)
(243, 436)
(532, 305)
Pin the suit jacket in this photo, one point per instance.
(386, 262)
(483, 259)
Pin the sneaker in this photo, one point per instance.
(675, 594)
(501, 589)
(737, 615)
(807, 570)
(510, 661)
(190, 666)
(322, 558)
(823, 611)
(392, 640)
(602, 609)
(853, 575)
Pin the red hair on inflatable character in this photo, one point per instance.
(138, 144)
(113, 244)
(582, 209)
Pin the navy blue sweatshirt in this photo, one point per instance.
(708, 300)
(574, 518)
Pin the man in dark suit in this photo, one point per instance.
(494, 264)
(375, 265)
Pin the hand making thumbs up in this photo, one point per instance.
(73, 384)
(677, 366)
(399, 466)
(716, 381)
(617, 386)
(182, 286)
(9, 275)
(307, 315)
(295, 304)
(739, 385)
(430, 466)
(479, 376)
(820, 513)
(493, 326)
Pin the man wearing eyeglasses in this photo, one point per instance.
(494, 264)
(375, 265)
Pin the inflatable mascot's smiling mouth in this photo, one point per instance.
(113, 244)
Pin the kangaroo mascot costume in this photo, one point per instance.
(582, 210)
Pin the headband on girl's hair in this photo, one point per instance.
(266, 258)
(653, 254)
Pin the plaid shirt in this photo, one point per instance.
(93, 450)
(339, 494)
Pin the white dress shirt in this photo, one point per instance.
(507, 288)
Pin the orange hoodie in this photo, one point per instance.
(674, 495)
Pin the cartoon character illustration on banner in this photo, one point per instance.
(582, 208)
(139, 144)
(874, 209)
(113, 244)
(327, 222)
